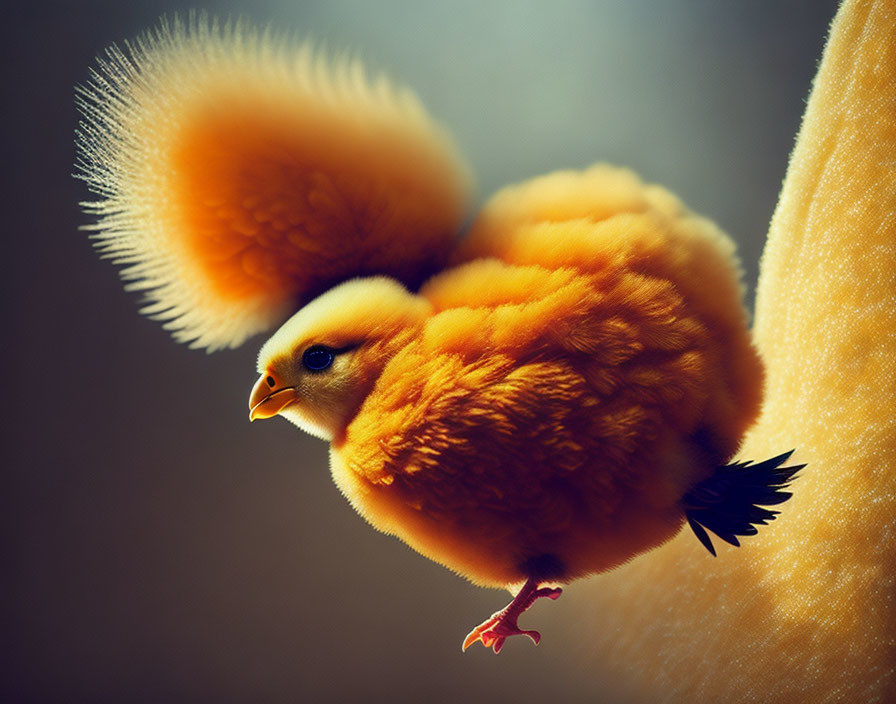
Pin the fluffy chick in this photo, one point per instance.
(541, 411)
(559, 400)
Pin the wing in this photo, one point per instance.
(239, 175)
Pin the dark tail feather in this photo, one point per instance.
(729, 502)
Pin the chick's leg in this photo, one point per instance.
(502, 624)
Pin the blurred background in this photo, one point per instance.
(158, 548)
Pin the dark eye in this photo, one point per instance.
(318, 358)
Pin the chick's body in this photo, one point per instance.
(558, 399)
(546, 417)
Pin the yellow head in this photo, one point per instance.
(319, 366)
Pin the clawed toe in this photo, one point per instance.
(480, 633)
(494, 632)
(551, 593)
(501, 625)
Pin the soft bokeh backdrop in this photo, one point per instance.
(159, 548)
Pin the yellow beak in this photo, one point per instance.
(269, 396)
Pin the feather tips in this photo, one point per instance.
(729, 503)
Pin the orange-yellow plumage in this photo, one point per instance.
(541, 400)
(559, 409)
(241, 175)
(261, 190)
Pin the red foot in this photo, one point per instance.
(502, 624)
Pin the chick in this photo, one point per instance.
(549, 409)
(544, 399)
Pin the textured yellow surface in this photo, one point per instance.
(805, 612)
